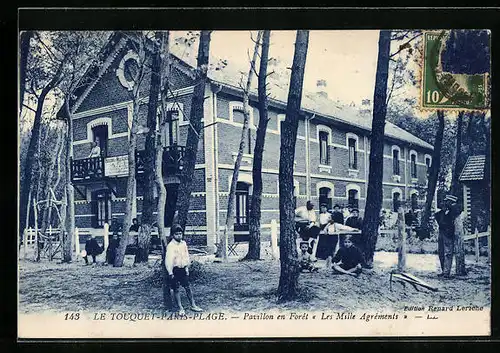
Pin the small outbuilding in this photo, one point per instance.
(476, 193)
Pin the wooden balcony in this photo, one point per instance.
(89, 170)
(173, 160)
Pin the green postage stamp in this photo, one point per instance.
(455, 74)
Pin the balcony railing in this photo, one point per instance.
(87, 169)
(173, 159)
(172, 163)
(92, 169)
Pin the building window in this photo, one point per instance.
(100, 136)
(413, 165)
(353, 157)
(324, 150)
(249, 132)
(242, 207)
(396, 201)
(395, 162)
(352, 198)
(171, 136)
(101, 205)
(324, 197)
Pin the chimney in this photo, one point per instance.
(321, 88)
(366, 110)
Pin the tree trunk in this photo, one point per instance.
(460, 269)
(148, 203)
(375, 176)
(69, 191)
(195, 128)
(459, 163)
(260, 139)
(127, 219)
(25, 49)
(402, 240)
(228, 229)
(288, 283)
(433, 176)
(163, 38)
(132, 147)
(32, 155)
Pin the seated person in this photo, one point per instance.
(333, 239)
(348, 259)
(305, 221)
(306, 225)
(337, 215)
(310, 244)
(354, 220)
(305, 258)
(93, 249)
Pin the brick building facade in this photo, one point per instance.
(331, 162)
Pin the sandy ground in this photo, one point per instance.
(245, 286)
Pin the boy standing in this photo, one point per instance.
(348, 259)
(177, 265)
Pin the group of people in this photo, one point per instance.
(93, 249)
(318, 237)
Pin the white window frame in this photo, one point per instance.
(326, 184)
(280, 118)
(328, 130)
(236, 105)
(430, 158)
(395, 190)
(413, 152)
(100, 122)
(396, 148)
(352, 187)
(348, 136)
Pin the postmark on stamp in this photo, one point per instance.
(455, 70)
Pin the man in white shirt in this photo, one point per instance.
(306, 225)
(177, 265)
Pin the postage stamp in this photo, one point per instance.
(456, 66)
(160, 195)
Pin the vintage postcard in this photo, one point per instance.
(234, 184)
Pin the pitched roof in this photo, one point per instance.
(314, 103)
(474, 168)
(235, 77)
(278, 86)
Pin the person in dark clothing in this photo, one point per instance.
(111, 251)
(93, 249)
(135, 225)
(348, 259)
(445, 219)
(337, 215)
(354, 220)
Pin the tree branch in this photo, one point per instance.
(405, 45)
(28, 107)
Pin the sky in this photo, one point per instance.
(345, 59)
